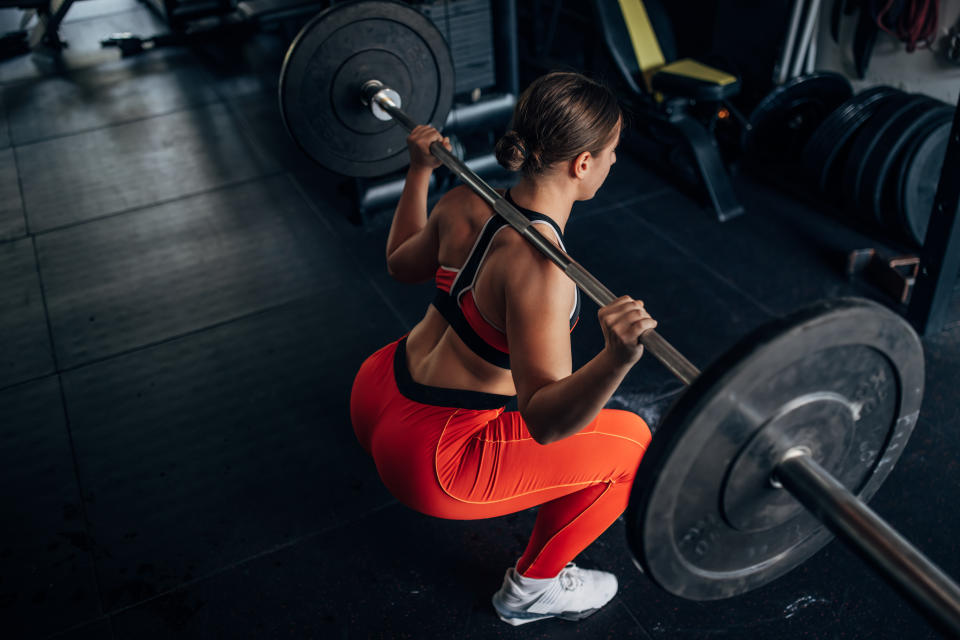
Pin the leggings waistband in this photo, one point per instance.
(439, 396)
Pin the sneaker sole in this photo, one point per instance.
(517, 618)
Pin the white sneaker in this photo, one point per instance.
(573, 595)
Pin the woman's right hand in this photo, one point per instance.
(418, 143)
(623, 321)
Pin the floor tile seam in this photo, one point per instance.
(83, 500)
(656, 193)
(112, 125)
(135, 9)
(20, 383)
(66, 418)
(25, 236)
(23, 200)
(706, 267)
(158, 203)
(605, 207)
(187, 334)
(51, 343)
(245, 127)
(636, 620)
(80, 625)
(257, 556)
(6, 117)
(360, 266)
(143, 347)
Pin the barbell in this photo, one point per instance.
(776, 445)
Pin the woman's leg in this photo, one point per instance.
(582, 482)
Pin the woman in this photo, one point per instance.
(430, 407)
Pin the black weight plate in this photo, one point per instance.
(843, 378)
(330, 59)
(920, 177)
(886, 151)
(864, 144)
(786, 117)
(831, 138)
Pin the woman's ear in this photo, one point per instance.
(581, 164)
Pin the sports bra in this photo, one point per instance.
(455, 300)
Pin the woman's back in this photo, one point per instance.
(436, 355)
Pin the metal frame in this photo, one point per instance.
(929, 309)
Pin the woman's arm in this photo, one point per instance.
(554, 402)
(413, 239)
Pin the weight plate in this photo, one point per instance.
(886, 151)
(920, 177)
(864, 144)
(334, 54)
(784, 120)
(831, 139)
(843, 378)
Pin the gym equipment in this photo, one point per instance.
(782, 123)
(683, 97)
(915, 182)
(930, 306)
(793, 415)
(879, 153)
(339, 50)
(842, 381)
(799, 55)
(199, 23)
(43, 40)
(866, 142)
(829, 143)
(889, 145)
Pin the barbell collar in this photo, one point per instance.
(376, 93)
(856, 523)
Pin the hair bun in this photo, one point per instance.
(511, 151)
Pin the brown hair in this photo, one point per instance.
(557, 117)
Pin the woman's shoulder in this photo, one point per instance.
(462, 196)
(461, 207)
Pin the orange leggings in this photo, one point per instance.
(458, 455)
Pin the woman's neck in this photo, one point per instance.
(544, 196)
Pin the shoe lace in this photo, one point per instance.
(570, 578)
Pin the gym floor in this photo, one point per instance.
(184, 303)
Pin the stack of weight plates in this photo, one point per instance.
(878, 155)
(782, 123)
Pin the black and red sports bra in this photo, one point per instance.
(455, 300)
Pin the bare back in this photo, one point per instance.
(436, 355)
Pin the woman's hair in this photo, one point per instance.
(559, 116)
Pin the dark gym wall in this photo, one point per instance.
(692, 26)
(748, 35)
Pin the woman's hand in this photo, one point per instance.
(623, 321)
(419, 141)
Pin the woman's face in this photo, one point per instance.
(600, 167)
